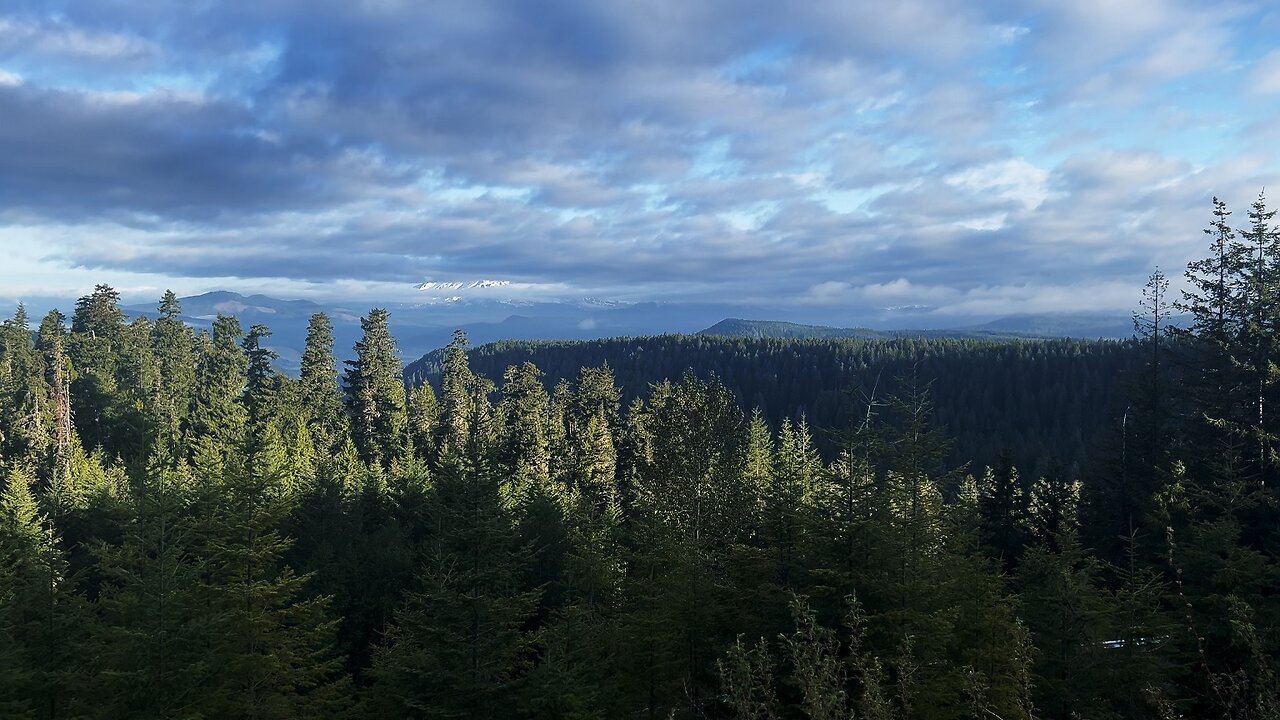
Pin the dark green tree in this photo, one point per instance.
(320, 395)
(375, 394)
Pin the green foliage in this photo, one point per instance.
(186, 533)
(375, 394)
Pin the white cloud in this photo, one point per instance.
(1013, 179)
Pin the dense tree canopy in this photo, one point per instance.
(674, 527)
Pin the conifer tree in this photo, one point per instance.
(1004, 509)
(21, 543)
(25, 407)
(96, 329)
(321, 397)
(458, 644)
(173, 346)
(260, 386)
(51, 342)
(375, 394)
(1259, 312)
(457, 391)
(216, 422)
(522, 416)
(424, 421)
(595, 476)
(156, 624)
(273, 646)
(46, 614)
(790, 498)
(595, 393)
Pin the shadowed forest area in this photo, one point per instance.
(669, 527)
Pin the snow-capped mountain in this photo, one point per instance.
(461, 285)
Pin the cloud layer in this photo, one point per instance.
(974, 158)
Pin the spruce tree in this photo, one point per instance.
(424, 421)
(45, 613)
(321, 397)
(458, 644)
(260, 386)
(157, 626)
(216, 422)
(273, 646)
(457, 393)
(26, 421)
(375, 394)
(522, 417)
(97, 327)
(173, 346)
(52, 340)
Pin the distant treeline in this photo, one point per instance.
(1038, 402)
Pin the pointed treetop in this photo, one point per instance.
(170, 307)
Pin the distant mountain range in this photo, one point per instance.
(425, 326)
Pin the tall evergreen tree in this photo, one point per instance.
(424, 421)
(375, 393)
(260, 385)
(458, 645)
(216, 422)
(321, 397)
(173, 346)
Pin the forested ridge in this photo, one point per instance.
(1035, 403)
(187, 533)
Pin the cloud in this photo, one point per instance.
(927, 153)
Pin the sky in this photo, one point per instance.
(941, 158)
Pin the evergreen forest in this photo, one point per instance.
(650, 528)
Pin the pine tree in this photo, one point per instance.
(217, 422)
(458, 644)
(321, 397)
(522, 417)
(260, 386)
(375, 393)
(424, 421)
(173, 346)
(45, 614)
(273, 646)
(157, 627)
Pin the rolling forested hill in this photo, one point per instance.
(1039, 401)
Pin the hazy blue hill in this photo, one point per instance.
(1061, 325)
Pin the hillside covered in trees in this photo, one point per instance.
(187, 533)
(1035, 403)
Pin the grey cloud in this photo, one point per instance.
(565, 142)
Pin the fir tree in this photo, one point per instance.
(375, 393)
(216, 422)
(321, 397)
(172, 344)
(458, 645)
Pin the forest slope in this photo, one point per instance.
(1040, 401)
